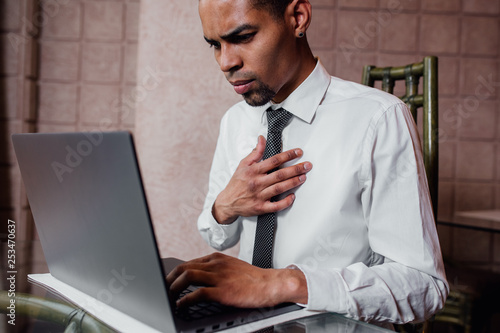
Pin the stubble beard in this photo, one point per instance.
(259, 96)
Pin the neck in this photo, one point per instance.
(305, 65)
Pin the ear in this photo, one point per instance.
(300, 14)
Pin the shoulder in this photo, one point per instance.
(347, 91)
(361, 102)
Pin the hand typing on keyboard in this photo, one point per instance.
(198, 310)
(230, 281)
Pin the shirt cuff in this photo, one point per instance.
(218, 236)
(325, 288)
(222, 232)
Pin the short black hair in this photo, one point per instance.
(275, 7)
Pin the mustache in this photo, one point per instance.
(235, 76)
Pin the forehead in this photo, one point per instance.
(220, 16)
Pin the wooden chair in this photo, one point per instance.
(428, 100)
(458, 305)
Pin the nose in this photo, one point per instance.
(229, 59)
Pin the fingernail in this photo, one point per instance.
(302, 178)
(298, 152)
(307, 166)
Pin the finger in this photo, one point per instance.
(256, 155)
(288, 173)
(206, 263)
(283, 186)
(206, 294)
(192, 264)
(276, 206)
(277, 160)
(191, 277)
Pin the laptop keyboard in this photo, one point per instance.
(199, 310)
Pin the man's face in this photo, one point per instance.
(257, 53)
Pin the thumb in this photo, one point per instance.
(257, 153)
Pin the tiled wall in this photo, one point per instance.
(88, 55)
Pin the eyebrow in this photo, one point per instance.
(233, 33)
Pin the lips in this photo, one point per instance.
(242, 86)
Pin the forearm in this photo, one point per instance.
(389, 292)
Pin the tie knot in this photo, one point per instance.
(278, 119)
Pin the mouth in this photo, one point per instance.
(241, 86)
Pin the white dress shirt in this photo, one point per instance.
(361, 228)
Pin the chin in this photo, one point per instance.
(255, 100)
(254, 103)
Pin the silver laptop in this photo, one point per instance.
(91, 214)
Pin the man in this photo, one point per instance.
(355, 234)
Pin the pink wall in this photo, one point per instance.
(177, 120)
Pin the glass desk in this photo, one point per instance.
(485, 220)
(327, 322)
(49, 313)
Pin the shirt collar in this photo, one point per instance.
(305, 100)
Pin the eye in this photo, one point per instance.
(243, 38)
(212, 43)
(215, 45)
